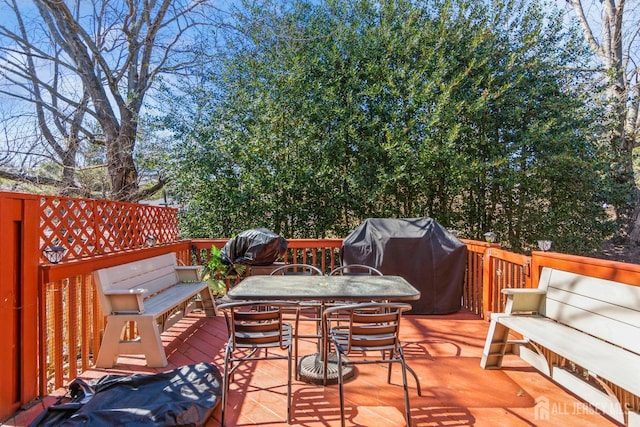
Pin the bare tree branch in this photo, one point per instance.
(86, 68)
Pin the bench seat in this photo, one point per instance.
(171, 297)
(154, 293)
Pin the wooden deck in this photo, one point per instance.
(444, 351)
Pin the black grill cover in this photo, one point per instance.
(254, 247)
(418, 249)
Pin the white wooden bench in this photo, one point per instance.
(153, 292)
(586, 321)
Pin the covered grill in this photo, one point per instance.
(418, 249)
(258, 246)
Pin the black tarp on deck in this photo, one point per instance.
(185, 396)
(418, 249)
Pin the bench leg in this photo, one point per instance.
(494, 346)
(108, 352)
(208, 303)
(149, 342)
(602, 398)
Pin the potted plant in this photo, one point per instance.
(219, 271)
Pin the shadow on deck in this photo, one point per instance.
(444, 350)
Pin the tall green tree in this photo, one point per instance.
(326, 113)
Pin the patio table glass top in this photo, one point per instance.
(305, 287)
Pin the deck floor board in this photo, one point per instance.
(444, 350)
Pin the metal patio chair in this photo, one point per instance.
(357, 330)
(254, 328)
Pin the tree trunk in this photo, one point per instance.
(634, 225)
(121, 165)
(623, 94)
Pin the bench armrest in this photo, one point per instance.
(189, 273)
(125, 301)
(523, 301)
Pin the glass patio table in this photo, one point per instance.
(324, 289)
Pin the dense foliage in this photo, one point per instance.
(322, 114)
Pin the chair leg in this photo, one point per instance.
(289, 407)
(341, 388)
(225, 385)
(415, 376)
(411, 371)
(294, 343)
(326, 343)
(407, 405)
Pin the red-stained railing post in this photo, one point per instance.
(19, 257)
(487, 283)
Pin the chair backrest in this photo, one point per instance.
(366, 326)
(258, 323)
(354, 270)
(297, 269)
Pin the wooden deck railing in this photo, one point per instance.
(323, 253)
(502, 269)
(72, 325)
(472, 294)
(54, 319)
(71, 322)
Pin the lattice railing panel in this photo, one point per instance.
(86, 227)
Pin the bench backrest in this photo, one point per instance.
(152, 275)
(603, 308)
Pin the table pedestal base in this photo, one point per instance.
(311, 369)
